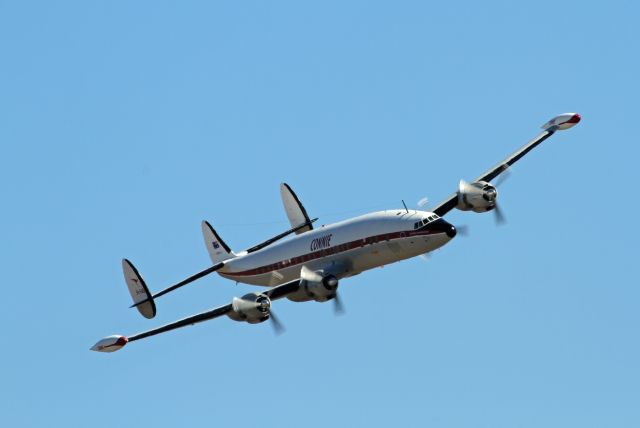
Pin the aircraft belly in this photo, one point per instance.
(387, 252)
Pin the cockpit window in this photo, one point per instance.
(425, 221)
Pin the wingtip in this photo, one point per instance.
(562, 121)
(110, 343)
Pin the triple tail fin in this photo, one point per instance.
(138, 289)
(218, 250)
(296, 212)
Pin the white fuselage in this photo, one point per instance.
(345, 248)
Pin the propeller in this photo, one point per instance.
(498, 213)
(463, 230)
(499, 216)
(504, 175)
(426, 257)
(338, 307)
(278, 327)
(264, 305)
(329, 281)
(491, 195)
(332, 282)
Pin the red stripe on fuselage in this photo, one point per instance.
(341, 248)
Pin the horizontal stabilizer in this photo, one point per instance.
(270, 241)
(138, 289)
(182, 283)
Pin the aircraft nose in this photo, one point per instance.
(451, 232)
(442, 226)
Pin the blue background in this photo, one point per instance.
(124, 125)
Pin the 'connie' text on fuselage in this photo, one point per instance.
(320, 243)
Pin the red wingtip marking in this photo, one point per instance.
(575, 118)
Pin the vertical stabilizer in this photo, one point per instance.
(138, 290)
(218, 250)
(295, 210)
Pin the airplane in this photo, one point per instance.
(310, 266)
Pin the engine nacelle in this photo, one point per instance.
(320, 289)
(478, 196)
(253, 308)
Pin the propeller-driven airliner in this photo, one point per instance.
(310, 265)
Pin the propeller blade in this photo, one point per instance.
(463, 230)
(278, 328)
(338, 307)
(500, 218)
(504, 175)
(426, 257)
(423, 202)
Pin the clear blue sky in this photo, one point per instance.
(124, 125)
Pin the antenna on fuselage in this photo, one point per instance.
(405, 206)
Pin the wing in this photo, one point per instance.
(560, 122)
(193, 319)
(115, 342)
(283, 290)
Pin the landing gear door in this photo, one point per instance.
(295, 210)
